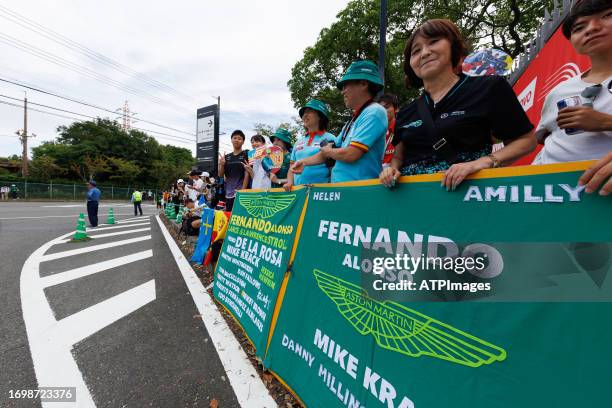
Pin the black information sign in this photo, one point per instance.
(207, 139)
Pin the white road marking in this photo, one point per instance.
(139, 219)
(51, 342)
(75, 216)
(112, 234)
(76, 327)
(63, 206)
(83, 250)
(248, 387)
(61, 277)
(104, 227)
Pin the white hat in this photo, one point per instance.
(180, 181)
(205, 174)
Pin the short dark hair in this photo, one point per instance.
(582, 9)
(194, 173)
(388, 98)
(258, 138)
(239, 133)
(435, 28)
(188, 200)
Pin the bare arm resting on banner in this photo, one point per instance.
(512, 151)
(597, 174)
(298, 166)
(347, 154)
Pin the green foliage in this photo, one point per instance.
(295, 128)
(46, 167)
(102, 150)
(503, 24)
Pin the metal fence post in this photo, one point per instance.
(73, 191)
(51, 190)
(112, 192)
(25, 189)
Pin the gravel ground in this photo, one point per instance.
(280, 394)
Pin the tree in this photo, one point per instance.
(91, 167)
(101, 148)
(296, 128)
(503, 24)
(123, 171)
(45, 167)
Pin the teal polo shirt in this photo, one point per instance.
(307, 146)
(368, 135)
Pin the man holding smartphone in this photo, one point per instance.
(576, 121)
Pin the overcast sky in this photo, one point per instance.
(242, 50)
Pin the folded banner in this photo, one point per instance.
(494, 295)
(254, 258)
(206, 230)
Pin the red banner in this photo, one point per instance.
(555, 63)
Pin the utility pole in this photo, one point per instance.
(382, 39)
(23, 136)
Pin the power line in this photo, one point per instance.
(90, 105)
(163, 135)
(31, 25)
(54, 59)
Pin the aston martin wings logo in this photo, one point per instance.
(259, 205)
(404, 330)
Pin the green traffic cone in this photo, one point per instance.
(172, 215)
(179, 217)
(111, 217)
(167, 210)
(81, 231)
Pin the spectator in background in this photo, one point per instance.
(282, 139)
(391, 105)
(197, 185)
(192, 215)
(137, 201)
(4, 191)
(231, 168)
(259, 175)
(584, 131)
(450, 126)
(315, 118)
(360, 145)
(14, 191)
(178, 197)
(210, 191)
(93, 200)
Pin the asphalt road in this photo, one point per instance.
(113, 312)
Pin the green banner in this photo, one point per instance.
(254, 258)
(525, 324)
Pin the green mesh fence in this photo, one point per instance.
(77, 192)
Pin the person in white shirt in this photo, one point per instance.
(583, 129)
(4, 190)
(256, 170)
(197, 186)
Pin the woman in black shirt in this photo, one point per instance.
(450, 127)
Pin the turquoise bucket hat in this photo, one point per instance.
(317, 105)
(362, 71)
(282, 134)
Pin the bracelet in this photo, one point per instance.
(493, 160)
